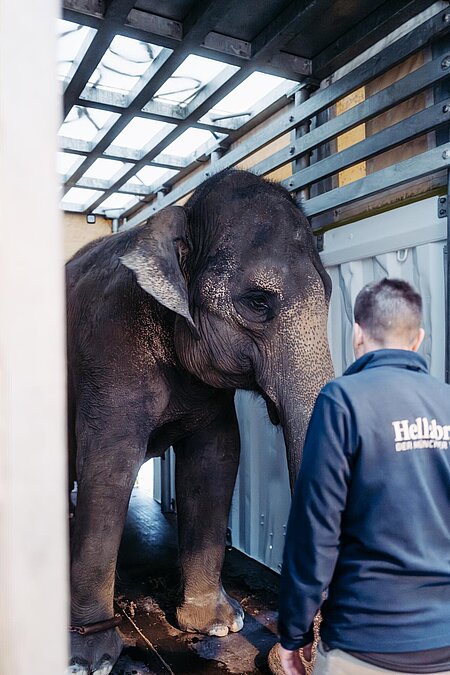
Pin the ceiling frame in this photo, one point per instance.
(266, 52)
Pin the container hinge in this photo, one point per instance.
(442, 207)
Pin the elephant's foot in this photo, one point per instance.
(211, 614)
(94, 654)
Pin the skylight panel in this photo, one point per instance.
(140, 131)
(104, 169)
(84, 123)
(152, 175)
(247, 95)
(189, 78)
(73, 41)
(117, 200)
(123, 63)
(79, 197)
(191, 142)
(67, 162)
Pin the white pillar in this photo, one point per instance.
(33, 520)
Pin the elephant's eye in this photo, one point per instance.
(258, 303)
(257, 306)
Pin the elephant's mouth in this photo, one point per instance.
(272, 411)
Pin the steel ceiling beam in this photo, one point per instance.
(202, 20)
(196, 30)
(115, 15)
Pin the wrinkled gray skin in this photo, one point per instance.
(165, 321)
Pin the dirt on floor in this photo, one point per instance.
(146, 591)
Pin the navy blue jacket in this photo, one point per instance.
(370, 517)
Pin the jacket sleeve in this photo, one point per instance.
(313, 532)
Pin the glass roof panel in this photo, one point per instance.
(190, 142)
(248, 94)
(73, 40)
(189, 78)
(67, 162)
(80, 196)
(140, 131)
(85, 123)
(152, 175)
(117, 200)
(104, 169)
(123, 63)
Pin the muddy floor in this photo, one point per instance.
(146, 590)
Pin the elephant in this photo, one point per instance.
(165, 321)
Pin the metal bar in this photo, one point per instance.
(302, 162)
(166, 492)
(367, 71)
(209, 90)
(227, 45)
(286, 25)
(155, 25)
(86, 7)
(299, 65)
(447, 289)
(381, 22)
(116, 13)
(423, 121)
(401, 90)
(416, 167)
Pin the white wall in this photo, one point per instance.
(33, 483)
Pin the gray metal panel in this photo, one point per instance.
(262, 497)
(407, 242)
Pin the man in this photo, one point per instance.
(370, 517)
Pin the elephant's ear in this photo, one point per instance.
(154, 257)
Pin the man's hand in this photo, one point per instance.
(291, 662)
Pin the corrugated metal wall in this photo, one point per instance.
(407, 242)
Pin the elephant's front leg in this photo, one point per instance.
(206, 466)
(107, 469)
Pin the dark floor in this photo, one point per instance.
(146, 590)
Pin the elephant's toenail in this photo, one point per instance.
(237, 625)
(77, 668)
(219, 631)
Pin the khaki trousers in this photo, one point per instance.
(337, 662)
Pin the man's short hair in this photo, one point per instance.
(390, 307)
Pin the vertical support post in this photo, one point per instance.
(447, 308)
(303, 161)
(166, 488)
(33, 483)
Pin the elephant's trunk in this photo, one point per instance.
(304, 367)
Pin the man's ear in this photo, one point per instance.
(418, 341)
(358, 338)
(154, 256)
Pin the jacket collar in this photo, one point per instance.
(399, 358)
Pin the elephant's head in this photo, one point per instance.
(239, 266)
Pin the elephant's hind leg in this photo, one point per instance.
(206, 466)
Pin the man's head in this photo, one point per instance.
(388, 314)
